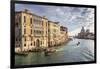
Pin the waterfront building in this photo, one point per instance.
(33, 31)
(45, 32)
(54, 33)
(63, 34)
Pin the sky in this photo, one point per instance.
(71, 17)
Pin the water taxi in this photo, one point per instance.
(49, 51)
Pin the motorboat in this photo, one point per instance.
(78, 43)
(49, 51)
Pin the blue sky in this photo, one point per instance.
(72, 17)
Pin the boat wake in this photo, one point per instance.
(61, 49)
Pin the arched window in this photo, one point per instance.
(16, 39)
(24, 45)
(16, 24)
(41, 42)
(30, 20)
(24, 19)
(24, 30)
(31, 31)
(34, 43)
(31, 43)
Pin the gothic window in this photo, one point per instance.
(31, 44)
(31, 31)
(24, 31)
(34, 43)
(25, 45)
(24, 19)
(30, 20)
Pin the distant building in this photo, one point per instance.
(85, 34)
(63, 34)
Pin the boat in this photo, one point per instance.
(21, 54)
(78, 43)
(49, 51)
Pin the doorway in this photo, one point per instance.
(37, 43)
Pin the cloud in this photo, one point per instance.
(71, 17)
(74, 32)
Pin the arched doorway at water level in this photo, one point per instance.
(37, 43)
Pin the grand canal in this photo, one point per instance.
(68, 52)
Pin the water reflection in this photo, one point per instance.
(69, 52)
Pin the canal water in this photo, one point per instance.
(66, 53)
